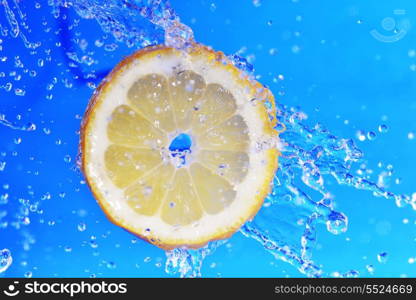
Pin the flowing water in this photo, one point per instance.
(301, 199)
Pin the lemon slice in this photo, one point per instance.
(173, 146)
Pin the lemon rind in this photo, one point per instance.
(270, 155)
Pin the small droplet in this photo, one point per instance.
(383, 128)
(28, 274)
(295, 49)
(370, 269)
(371, 135)
(257, 3)
(360, 135)
(111, 265)
(273, 51)
(382, 257)
(82, 226)
(93, 244)
(337, 223)
(19, 92)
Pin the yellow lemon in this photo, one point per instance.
(173, 146)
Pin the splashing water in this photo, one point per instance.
(310, 154)
(5, 260)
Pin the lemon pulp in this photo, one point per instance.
(157, 180)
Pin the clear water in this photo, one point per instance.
(51, 61)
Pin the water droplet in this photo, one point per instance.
(383, 128)
(361, 135)
(352, 274)
(382, 257)
(410, 135)
(370, 269)
(371, 135)
(67, 158)
(273, 51)
(47, 131)
(28, 274)
(337, 223)
(295, 49)
(82, 226)
(257, 3)
(19, 92)
(93, 244)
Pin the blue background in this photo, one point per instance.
(333, 69)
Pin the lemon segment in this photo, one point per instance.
(127, 127)
(186, 89)
(149, 95)
(126, 164)
(181, 207)
(146, 195)
(216, 105)
(231, 135)
(213, 200)
(173, 146)
(228, 164)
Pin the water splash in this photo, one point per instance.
(137, 23)
(188, 262)
(5, 260)
(27, 127)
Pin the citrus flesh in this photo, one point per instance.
(173, 146)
